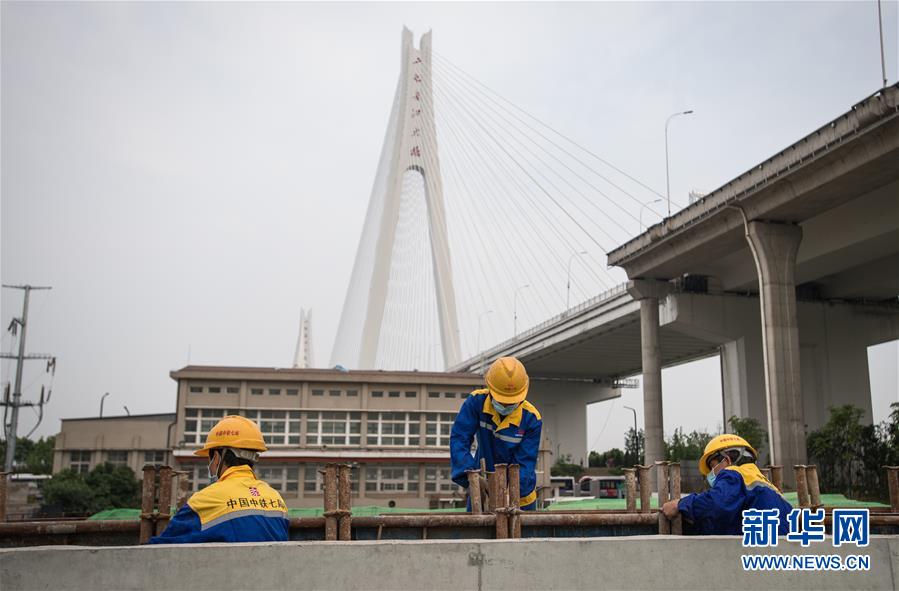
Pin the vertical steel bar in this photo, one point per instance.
(514, 501)
(677, 525)
(183, 488)
(148, 497)
(801, 485)
(814, 490)
(893, 481)
(165, 499)
(330, 501)
(630, 481)
(492, 491)
(502, 517)
(777, 477)
(344, 493)
(766, 472)
(474, 491)
(662, 479)
(645, 492)
(3, 482)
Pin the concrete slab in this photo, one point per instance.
(639, 562)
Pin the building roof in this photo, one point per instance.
(320, 375)
(165, 416)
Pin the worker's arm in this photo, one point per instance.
(464, 429)
(724, 499)
(526, 457)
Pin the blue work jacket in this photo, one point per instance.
(237, 508)
(513, 439)
(719, 511)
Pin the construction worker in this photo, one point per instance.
(736, 484)
(236, 506)
(505, 425)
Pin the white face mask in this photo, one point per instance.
(213, 476)
(504, 409)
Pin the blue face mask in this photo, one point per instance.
(710, 478)
(503, 409)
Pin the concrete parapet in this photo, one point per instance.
(639, 562)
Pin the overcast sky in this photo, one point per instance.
(187, 176)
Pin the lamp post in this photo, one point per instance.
(101, 403)
(641, 212)
(480, 316)
(568, 284)
(515, 309)
(667, 181)
(636, 450)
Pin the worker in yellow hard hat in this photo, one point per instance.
(736, 484)
(236, 506)
(505, 425)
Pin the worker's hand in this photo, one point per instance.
(670, 509)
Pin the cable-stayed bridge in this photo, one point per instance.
(489, 233)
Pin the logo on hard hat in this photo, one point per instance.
(227, 433)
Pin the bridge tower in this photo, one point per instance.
(410, 148)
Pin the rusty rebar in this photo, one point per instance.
(330, 501)
(777, 477)
(801, 485)
(514, 501)
(183, 488)
(662, 480)
(165, 499)
(3, 484)
(492, 492)
(560, 519)
(766, 472)
(147, 499)
(61, 528)
(501, 503)
(474, 490)
(677, 526)
(344, 493)
(893, 482)
(814, 490)
(645, 490)
(630, 482)
(432, 520)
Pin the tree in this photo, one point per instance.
(686, 447)
(749, 429)
(635, 446)
(564, 467)
(106, 487)
(613, 458)
(68, 492)
(32, 456)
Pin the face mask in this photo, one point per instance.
(503, 409)
(710, 478)
(213, 476)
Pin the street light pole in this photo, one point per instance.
(641, 212)
(667, 181)
(515, 309)
(480, 316)
(101, 403)
(568, 285)
(636, 449)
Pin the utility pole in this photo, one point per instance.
(11, 427)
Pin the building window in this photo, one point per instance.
(281, 477)
(279, 427)
(333, 428)
(352, 393)
(198, 477)
(437, 479)
(318, 392)
(437, 428)
(196, 389)
(156, 458)
(199, 421)
(80, 461)
(312, 480)
(215, 389)
(333, 392)
(393, 428)
(433, 394)
(117, 457)
(393, 394)
(387, 478)
(292, 392)
(256, 391)
(449, 394)
(377, 394)
(233, 390)
(410, 394)
(274, 391)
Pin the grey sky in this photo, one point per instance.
(187, 176)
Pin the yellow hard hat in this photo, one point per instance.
(233, 431)
(720, 443)
(507, 380)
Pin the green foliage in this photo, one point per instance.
(35, 457)
(749, 429)
(609, 459)
(105, 487)
(634, 447)
(850, 455)
(686, 447)
(564, 467)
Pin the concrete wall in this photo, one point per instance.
(656, 562)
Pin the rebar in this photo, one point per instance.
(501, 503)
(814, 490)
(893, 482)
(3, 483)
(777, 477)
(147, 499)
(801, 485)
(165, 499)
(330, 501)
(183, 488)
(645, 491)
(514, 501)
(662, 479)
(432, 520)
(474, 490)
(560, 519)
(630, 482)
(677, 525)
(492, 492)
(344, 493)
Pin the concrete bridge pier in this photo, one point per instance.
(774, 248)
(649, 293)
